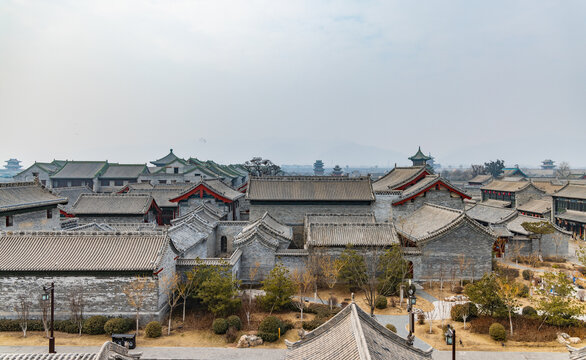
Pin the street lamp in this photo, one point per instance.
(451, 339)
(412, 301)
(50, 295)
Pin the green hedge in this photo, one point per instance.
(95, 325)
(497, 332)
(220, 326)
(153, 329)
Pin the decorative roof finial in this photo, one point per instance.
(171, 150)
(352, 297)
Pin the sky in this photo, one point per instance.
(349, 82)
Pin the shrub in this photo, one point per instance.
(497, 332)
(67, 326)
(458, 289)
(231, 334)
(95, 325)
(9, 325)
(270, 325)
(312, 324)
(458, 311)
(524, 291)
(527, 274)
(529, 311)
(333, 300)
(380, 302)
(391, 327)
(220, 326)
(268, 337)
(421, 318)
(321, 310)
(234, 321)
(287, 325)
(153, 329)
(117, 326)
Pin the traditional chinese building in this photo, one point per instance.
(318, 168)
(337, 171)
(116, 208)
(420, 159)
(220, 194)
(510, 193)
(569, 209)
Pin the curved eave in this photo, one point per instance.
(449, 187)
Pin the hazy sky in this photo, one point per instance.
(353, 83)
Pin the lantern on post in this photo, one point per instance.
(451, 339)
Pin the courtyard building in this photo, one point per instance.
(569, 209)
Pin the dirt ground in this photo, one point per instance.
(479, 342)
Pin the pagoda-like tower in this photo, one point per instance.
(318, 167)
(420, 159)
(337, 171)
(12, 164)
(547, 164)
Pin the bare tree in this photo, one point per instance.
(22, 308)
(563, 170)
(169, 288)
(44, 305)
(247, 298)
(258, 166)
(429, 317)
(508, 292)
(303, 280)
(137, 292)
(515, 250)
(463, 264)
(77, 306)
(330, 268)
(186, 287)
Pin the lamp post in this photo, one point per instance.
(412, 300)
(451, 340)
(50, 295)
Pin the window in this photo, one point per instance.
(105, 182)
(223, 244)
(35, 174)
(175, 170)
(44, 182)
(75, 182)
(118, 182)
(145, 181)
(187, 181)
(9, 221)
(49, 213)
(162, 181)
(173, 181)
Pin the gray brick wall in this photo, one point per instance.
(254, 252)
(382, 208)
(110, 219)
(526, 195)
(103, 294)
(229, 229)
(34, 220)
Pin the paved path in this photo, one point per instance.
(401, 322)
(184, 353)
(508, 355)
(167, 353)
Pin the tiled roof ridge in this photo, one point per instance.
(261, 223)
(244, 237)
(555, 226)
(358, 225)
(370, 213)
(416, 188)
(421, 169)
(17, 184)
(311, 178)
(442, 207)
(72, 233)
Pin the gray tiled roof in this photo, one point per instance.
(216, 186)
(573, 215)
(127, 204)
(310, 188)
(340, 218)
(161, 195)
(480, 179)
(507, 186)
(572, 191)
(516, 226)
(352, 334)
(124, 171)
(367, 234)
(165, 159)
(537, 206)
(397, 177)
(432, 220)
(270, 230)
(108, 351)
(496, 203)
(80, 170)
(72, 194)
(490, 214)
(80, 251)
(25, 195)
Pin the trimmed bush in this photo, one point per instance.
(153, 329)
(118, 326)
(322, 310)
(95, 325)
(268, 337)
(380, 302)
(497, 332)
(458, 289)
(391, 327)
(234, 321)
(421, 318)
(529, 311)
(12, 325)
(312, 324)
(459, 310)
(287, 325)
(67, 326)
(231, 334)
(271, 325)
(527, 274)
(220, 326)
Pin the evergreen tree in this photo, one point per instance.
(279, 288)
